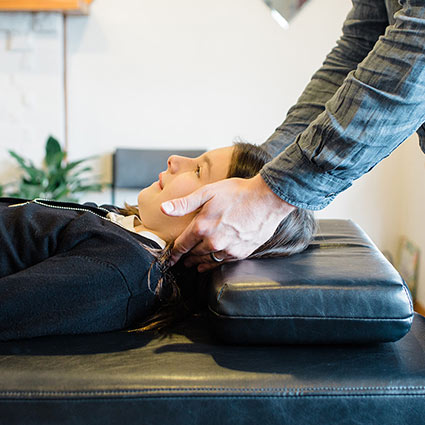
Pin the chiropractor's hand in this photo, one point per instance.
(236, 217)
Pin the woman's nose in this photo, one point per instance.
(176, 163)
(171, 163)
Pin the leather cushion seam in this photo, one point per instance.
(408, 297)
(308, 317)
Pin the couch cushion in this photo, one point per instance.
(340, 290)
(186, 378)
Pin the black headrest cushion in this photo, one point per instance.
(340, 290)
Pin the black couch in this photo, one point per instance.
(250, 362)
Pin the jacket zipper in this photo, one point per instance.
(42, 202)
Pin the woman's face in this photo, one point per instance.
(183, 176)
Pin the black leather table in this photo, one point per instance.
(341, 289)
(190, 378)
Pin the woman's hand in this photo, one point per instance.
(236, 217)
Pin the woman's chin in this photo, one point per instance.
(143, 196)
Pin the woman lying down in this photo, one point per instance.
(68, 268)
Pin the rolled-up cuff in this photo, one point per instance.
(421, 134)
(298, 181)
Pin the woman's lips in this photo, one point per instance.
(160, 181)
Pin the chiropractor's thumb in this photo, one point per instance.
(187, 204)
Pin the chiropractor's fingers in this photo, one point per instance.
(182, 206)
(194, 234)
(198, 239)
(201, 241)
(213, 258)
(205, 263)
(237, 216)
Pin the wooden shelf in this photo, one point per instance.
(73, 7)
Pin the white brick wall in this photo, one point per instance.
(46, 22)
(19, 22)
(31, 85)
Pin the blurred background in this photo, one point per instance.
(188, 74)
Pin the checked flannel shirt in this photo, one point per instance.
(365, 100)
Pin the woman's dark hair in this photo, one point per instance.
(293, 235)
(296, 230)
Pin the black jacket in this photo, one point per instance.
(65, 269)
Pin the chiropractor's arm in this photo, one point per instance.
(360, 32)
(377, 106)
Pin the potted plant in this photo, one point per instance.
(56, 179)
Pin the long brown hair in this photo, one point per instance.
(296, 230)
(293, 235)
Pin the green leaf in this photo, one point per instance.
(54, 153)
(33, 173)
(29, 191)
(73, 164)
(55, 163)
(61, 192)
(78, 174)
(55, 180)
(19, 159)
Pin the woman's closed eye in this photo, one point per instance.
(198, 170)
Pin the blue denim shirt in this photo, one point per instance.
(365, 100)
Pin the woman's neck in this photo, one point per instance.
(139, 227)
